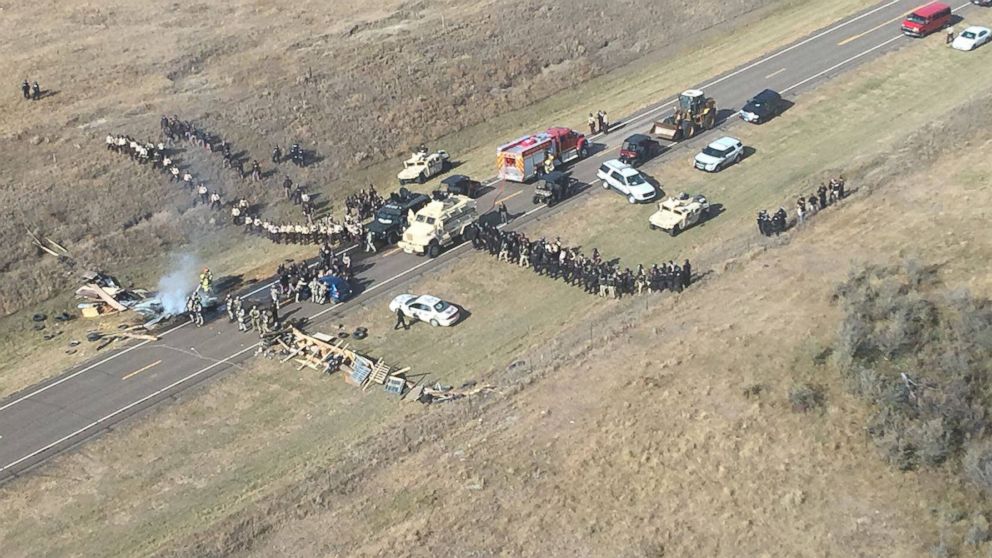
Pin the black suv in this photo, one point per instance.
(391, 219)
(762, 107)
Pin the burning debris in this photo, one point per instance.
(104, 295)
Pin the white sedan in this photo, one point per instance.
(972, 38)
(425, 308)
(719, 154)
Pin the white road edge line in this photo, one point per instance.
(393, 278)
(199, 372)
(123, 409)
(760, 61)
(855, 57)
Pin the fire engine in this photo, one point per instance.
(522, 159)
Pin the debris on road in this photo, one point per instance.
(329, 354)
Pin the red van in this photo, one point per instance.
(926, 20)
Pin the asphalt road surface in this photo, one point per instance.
(61, 413)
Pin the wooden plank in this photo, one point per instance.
(104, 296)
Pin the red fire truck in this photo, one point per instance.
(523, 158)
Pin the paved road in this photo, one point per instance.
(59, 414)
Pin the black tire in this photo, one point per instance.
(445, 165)
(675, 231)
(392, 237)
(653, 226)
(536, 200)
(471, 233)
(433, 250)
(738, 158)
(552, 201)
(421, 178)
(584, 152)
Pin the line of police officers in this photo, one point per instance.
(591, 273)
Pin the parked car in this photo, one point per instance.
(627, 180)
(985, 3)
(678, 213)
(762, 107)
(972, 38)
(425, 308)
(719, 154)
(638, 148)
(927, 19)
(391, 219)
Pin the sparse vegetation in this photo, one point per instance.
(920, 354)
(807, 397)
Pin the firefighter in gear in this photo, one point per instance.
(256, 318)
(195, 309)
(549, 163)
(232, 311)
(206, 280)
(242, 318)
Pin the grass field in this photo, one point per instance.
(263, 431)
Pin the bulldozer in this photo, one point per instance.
(695, 113)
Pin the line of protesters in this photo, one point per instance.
(591, 273)
(175, 129)
(806, 206)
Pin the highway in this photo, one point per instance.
(63, 412)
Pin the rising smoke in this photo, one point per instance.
(178, 284)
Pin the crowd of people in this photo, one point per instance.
(806, 206)
(825, 196)
(160, 158)
(598, 122)
(176, 129)
(590, 273)
(296, 155)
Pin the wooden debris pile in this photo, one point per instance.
(102, 295)
(327, 355)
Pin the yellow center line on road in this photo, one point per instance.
(773, 74)
(140, 370)
(517, 193)
(876, 28)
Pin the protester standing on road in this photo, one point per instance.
(504, 213)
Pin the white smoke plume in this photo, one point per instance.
(178, 284)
